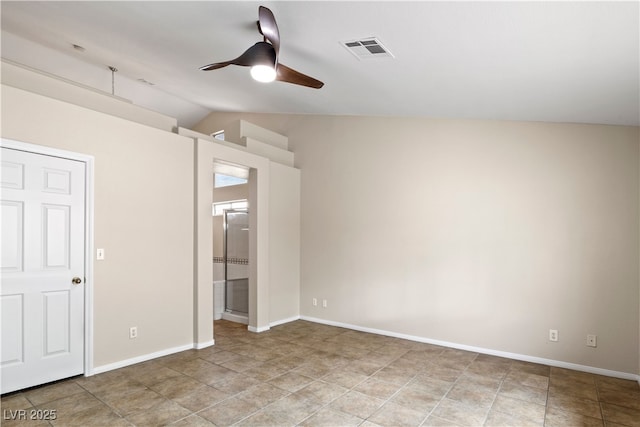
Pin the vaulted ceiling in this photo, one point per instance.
(533, 61)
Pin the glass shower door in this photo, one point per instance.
(236, 257)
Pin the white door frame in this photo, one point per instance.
(88, 261)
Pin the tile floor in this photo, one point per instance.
(308, 374)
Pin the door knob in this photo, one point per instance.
(76, 280)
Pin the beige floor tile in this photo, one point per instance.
(580, 391)
(314, 370)
(628, 398)
(264, 418)
(590, 408)
(322, 392)
(236, 384)
(229, 411)
(192, 421)
(519, 409)
(53, 392)
(621, 415)
(364, 367)
(415, 397)
(433, 421)
(531, 368)
(470, 395)
(219, 357)
(241, 363)
(502, 419)
(14, 402)
(154, 376)
(211, 374)
(201, 398)
(330, 418)
(437, 388)
(358, 404)
(291, 381)
(459, 413)
(107, 381)
(443, 373)
(559, 418)
(529, 379)
(98, 417)
(523, 392)
(177, 387)
(262, 394)
(70, 405)
(617, 384)
(376, 388)
(265, 371)
(166, 412)
(393, 375)
(488, 368)
(134, 401)
(392, 415)
(295, 408)
(345, 378)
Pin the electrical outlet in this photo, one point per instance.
(553, 335)
(133, 332)
(315, 302)
(591, 341)
(324, 303)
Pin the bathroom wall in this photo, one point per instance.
(223, 194)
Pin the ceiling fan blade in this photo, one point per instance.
(289, 75)
(215, 66)
(269, 28)
(259, 53)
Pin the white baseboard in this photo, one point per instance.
(138, 359)
(515, 356)
(274, 323)
(201, 345)
(283, 321)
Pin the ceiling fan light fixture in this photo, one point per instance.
(263, 73)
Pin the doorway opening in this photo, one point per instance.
(231, 267)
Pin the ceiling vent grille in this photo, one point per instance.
(367, 48)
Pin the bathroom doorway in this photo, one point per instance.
(231, 269)
(236, 265)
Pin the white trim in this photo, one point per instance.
(201, 345)
(515, 356)
(258, 329)
(88, 160)
(283, 321)
(139, 359)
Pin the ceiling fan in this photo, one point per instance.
(263, 58)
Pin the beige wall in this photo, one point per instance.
(284, 243)
(479, 233)
(143, 218)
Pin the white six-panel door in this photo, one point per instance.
(43, 251)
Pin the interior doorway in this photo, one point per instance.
(231, 243)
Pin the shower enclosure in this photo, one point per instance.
(236, 265)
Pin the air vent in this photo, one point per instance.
(367, 48)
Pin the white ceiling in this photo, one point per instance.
(534, 61)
